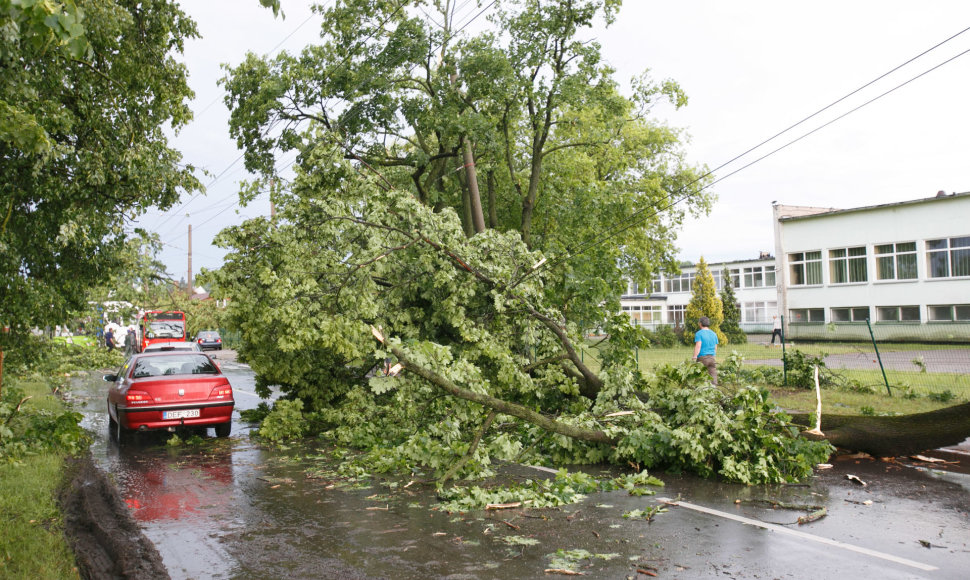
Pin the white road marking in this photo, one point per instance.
(797, 534)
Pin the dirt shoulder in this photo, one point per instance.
(104, 536)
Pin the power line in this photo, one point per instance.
(272, 50)
(180, 209)
(639, 216)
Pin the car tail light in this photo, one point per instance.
(223, 392)
(137, 398)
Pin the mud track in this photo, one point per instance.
(106, 540)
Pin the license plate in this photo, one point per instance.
(180, 414)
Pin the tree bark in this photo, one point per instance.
(471, 176)
(893, 436)
(524, 413)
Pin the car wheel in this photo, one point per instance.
(112, 424)
(115, 431)
(223, 429)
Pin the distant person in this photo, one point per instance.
(776, 330)
(131, 341)
(109, 338)
(705, 347)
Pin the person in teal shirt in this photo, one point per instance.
(705, 347)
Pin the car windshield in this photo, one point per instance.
(208, 335)
(166, 329)
(175, 364)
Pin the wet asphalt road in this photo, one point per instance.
(232, 509)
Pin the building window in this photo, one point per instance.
(897, 313)
(682, 283)
(949, 313)
(759, 276)
(644, 315)
(675, 314)
(656, 286)
(718, 282)
(758, 311)
(806, 268)
(735, 274)
(853, 314)
(802, 315)
(847, 265)
(896, 261)
(754, 277)
(948, 258)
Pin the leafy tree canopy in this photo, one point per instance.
(731, 325)
(704, 301)
(86, 90)
(467, 205)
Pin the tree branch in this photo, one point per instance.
(519, 411)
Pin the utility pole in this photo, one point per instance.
(190, 261)
(272, 206)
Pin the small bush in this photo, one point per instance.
(284, 422)
(801, 369)
(662, 337)
(256, 415)
(942, 396)
(26, 429)
(732, 372)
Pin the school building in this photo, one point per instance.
(904, 267)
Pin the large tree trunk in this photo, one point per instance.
(892, 436)
(471, 177)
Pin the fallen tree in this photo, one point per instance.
(394, 122)
(897, 435)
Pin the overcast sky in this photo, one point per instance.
(750, 68)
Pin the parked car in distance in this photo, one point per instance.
(208, 339)
(169, 389)
(176, 345)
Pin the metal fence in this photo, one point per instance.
(900, 359)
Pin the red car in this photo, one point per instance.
(169, 389)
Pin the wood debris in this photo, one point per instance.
(816, 515)
(932, 460)
(503, 506)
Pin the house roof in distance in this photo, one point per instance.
(823, 212)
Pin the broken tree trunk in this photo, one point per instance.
(893, 436)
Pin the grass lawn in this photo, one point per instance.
(926, 391)
(79, 339)
(847, 403)
(32, 543)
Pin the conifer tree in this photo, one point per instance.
(731, 327)
(704, 301)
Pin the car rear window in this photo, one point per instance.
(174, 364)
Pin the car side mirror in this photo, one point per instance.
(110, 378)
